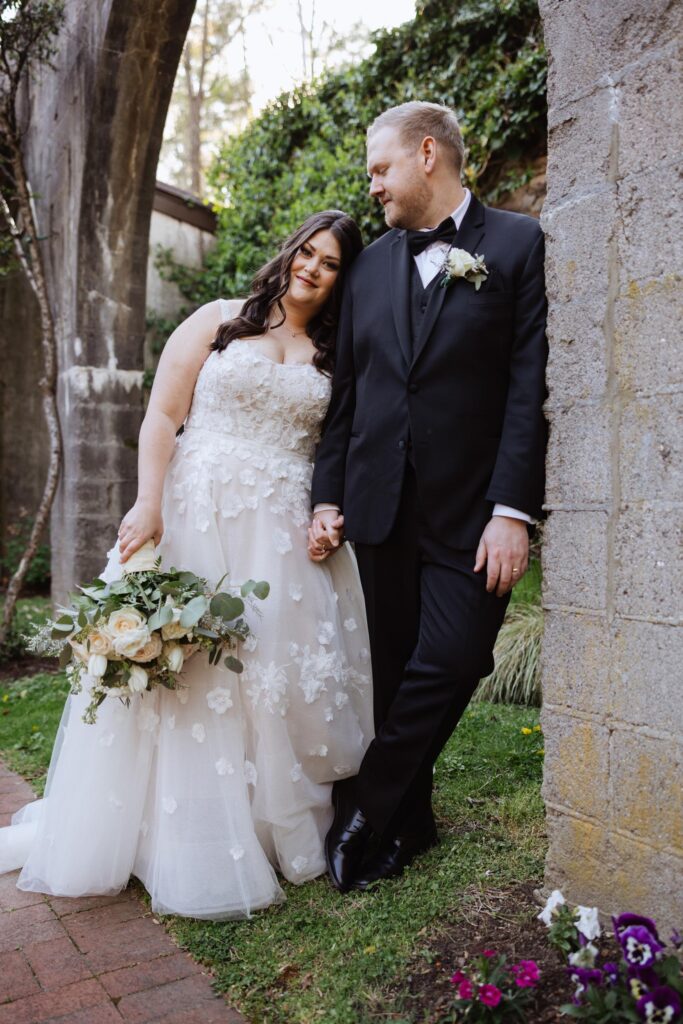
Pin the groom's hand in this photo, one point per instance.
(504, 550)
(325, 534)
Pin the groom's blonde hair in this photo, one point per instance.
(418, 119)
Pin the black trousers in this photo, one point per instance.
(432, 627)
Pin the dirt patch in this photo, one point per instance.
(24, 666)
(503, 920)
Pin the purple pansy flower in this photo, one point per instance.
(582, 978)
(640, 946)
(660, 1006)
(624, 921)
(676, 939)
(611, 972)
(641, 980)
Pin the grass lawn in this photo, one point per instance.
(322, 957)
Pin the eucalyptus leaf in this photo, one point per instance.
(64, 656)
(226, 606)
(261, 590)
(234, 664)
(201, 631)
(193, 611)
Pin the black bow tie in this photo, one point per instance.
(419, 240)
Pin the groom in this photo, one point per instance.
(433, 453)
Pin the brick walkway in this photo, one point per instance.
(97, 960)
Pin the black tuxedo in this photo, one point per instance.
(435, 415)
(467, 392)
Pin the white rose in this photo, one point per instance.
(132, 641)
(137, 681)
(97, 665)
(460, 262)
(123, 620)
(99, 642)
(173, 630)
(80, 650)
(143, 560)
(149, 650)
(173, 653)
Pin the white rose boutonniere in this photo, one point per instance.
(461, 263)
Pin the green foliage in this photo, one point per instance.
(30, 710)
(306, 151)
(16, 539)
(516, 678)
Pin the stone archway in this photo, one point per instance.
(95, 131)
(613, 558)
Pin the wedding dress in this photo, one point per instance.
(203, 791)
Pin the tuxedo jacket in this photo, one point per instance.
(465, 395)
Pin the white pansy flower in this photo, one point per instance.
(137, 680)
(282, 541)
(556, 899)
(143, 560)
(97, 665)
(350, 625)
(169, 804)
(148, 719)
(296, 591)
(198, 732)
(296, 773)
(299, 864)
(584, 957)
(341, 698)
(325, 632)
(250, 773)
(587, 922)
(224, 767)
(219, 699)
(237, 851)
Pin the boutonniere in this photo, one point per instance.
(461, 263)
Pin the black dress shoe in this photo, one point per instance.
(348, 837)
(393, 856)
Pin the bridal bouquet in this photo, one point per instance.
(137, 632)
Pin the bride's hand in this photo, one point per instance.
(137, 526)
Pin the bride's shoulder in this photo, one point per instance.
(230, 308)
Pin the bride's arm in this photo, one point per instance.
(181, 360)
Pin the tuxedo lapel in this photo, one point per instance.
(399, 278)
(470, 233)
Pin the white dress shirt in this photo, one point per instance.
(429, 262)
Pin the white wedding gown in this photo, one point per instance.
(202, 792)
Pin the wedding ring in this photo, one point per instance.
(515, 570)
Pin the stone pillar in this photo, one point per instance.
(613, 559)
(96, 122)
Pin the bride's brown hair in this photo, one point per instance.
(272, 281)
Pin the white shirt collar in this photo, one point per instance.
(460, 212)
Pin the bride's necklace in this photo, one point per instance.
(290, 332)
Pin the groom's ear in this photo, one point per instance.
(428, 148)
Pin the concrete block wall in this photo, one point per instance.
(613, 558)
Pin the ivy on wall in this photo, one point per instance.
(306, 151)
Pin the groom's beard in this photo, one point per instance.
(409, 210)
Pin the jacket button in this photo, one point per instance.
(402, 445)
(413, 388)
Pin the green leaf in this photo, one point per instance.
(261, 590)
(64, 656)
(234, 664)
(201, 631)
(193, 611)
(227, 607)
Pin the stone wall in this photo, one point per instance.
(613, 558)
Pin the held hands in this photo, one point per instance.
(325, 534)
(504, 550)
(138, 525)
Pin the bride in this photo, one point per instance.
(203, 792)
